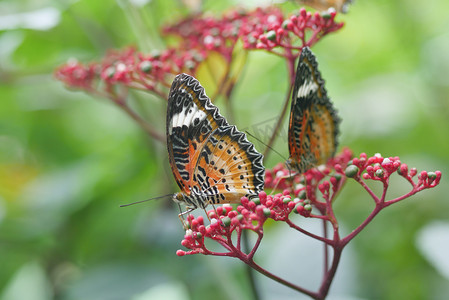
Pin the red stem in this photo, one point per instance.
(325, 248)
(363, 184)
(319, 238)
(356, 231)
(261, 270)
(329, 276)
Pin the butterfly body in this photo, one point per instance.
(212, 161)
(313, 125)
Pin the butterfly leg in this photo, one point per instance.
(207, 215)
(182, 215)
(213, 206)
(289, 176)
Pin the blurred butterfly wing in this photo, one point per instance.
(313, 125)
(229, 167)
(191, 118)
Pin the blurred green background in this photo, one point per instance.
(68, 160)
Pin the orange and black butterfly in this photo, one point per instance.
(313, 125)
(212, 161)
(338, 5)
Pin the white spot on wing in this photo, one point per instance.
(187, 116)
(307, 88)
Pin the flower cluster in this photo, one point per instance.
(224, 221)
(262, 28)
(282, 178)
(279, 32)
(310, 195)
(380, 169)
(131, 69)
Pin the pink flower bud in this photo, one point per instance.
(235, 221)
(259, 210)
(180, 253)
(219, 210)
(202, 229)
(334, 181)
(280, 32)
(371, 160)
(190, 218)
(338, 168)
(194, 224)
(423, 175)
(403, 170)
(232, 214)
(215, 224)
(294, 19)
(212, 215)
(291, 205)
(253, 216)
(251, 205)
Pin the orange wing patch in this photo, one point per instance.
(228, 167)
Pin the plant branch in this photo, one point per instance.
(314, 236)
(268, 274)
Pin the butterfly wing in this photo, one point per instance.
(229, 167)
(211, 160)
(191, 118)
(313, 126)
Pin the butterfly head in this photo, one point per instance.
(192, 200)
(292, 164)
(179, 197)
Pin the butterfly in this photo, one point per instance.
(339, 5)
(313, 125)
(212, 161)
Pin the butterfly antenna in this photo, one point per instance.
(141, 201)
(248, 133)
